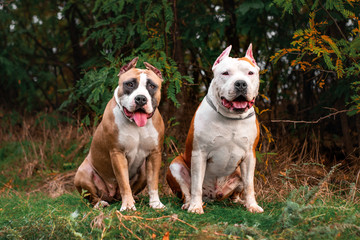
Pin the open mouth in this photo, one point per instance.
(240, 104)
(139, 116)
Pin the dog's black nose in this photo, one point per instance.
(240, 85)
(140, 100)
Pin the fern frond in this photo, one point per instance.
(339, 5)
(328, 61)
(339, 68)
(331, 44)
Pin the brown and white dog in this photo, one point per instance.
(125, 152)
(219, 159)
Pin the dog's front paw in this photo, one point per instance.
(125, 207)
(128, 204)
(101, 204)
(156, 205)
(185, 206)
(254, 208)
(196, 208)
(186, 203)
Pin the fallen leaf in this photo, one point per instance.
(166, 236)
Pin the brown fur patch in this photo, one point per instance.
(174, 185)
(247, 60)
(189, 142)
(257, 137)
(132, 73)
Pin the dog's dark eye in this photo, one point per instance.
(250, 73)
(225, 73)
(130, 84)
(151, 86)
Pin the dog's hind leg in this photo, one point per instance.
(178, 178)
(87, 180)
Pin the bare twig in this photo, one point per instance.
(120, 216)
(311, 122)
(337, 26)
(173, 147)
(174, 216)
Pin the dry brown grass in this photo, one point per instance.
(58, 185)
(297, 164)
(45, 149)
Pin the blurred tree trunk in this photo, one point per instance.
(178, 53)
(307, 92)
(230, 30)
(345, 127)
(75, 41)
(274, 81)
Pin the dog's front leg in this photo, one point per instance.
(198, 167)
(153, 165)
(247, 172)
(121, 171)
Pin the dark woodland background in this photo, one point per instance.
(59, 61)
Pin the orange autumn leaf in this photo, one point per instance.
(166, 236)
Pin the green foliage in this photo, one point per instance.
(289, 5)
(96, 87)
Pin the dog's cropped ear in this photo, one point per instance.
(249, 55)
(128, 66)
(223, 55)
(154, 69)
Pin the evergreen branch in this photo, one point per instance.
(311, 195)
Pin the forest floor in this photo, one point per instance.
(302, 198)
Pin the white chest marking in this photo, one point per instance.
(136, 142)
(224, 142)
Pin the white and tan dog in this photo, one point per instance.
(219, 160)
(125, 152)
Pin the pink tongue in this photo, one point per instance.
(226, 103)
(242, 104)
(140, 118)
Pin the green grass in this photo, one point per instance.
(36, 216)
